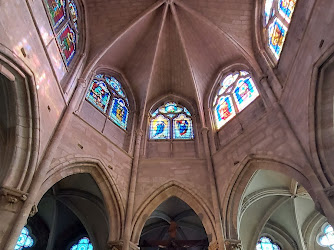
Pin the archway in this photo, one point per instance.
(174, 213)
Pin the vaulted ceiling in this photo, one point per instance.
(169, 47)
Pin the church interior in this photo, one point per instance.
(166, 124)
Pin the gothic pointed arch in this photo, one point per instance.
(166, 191)
(19, 123)
(103, 178)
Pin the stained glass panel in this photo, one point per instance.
(119, 112)
(326, 238)
(66, 40)
(99, 95)
(266, 243)
(24, 240)
(186, 111)
(228, 81)
(182, 127)
(224, 111)
(56, 10)
(73, 12)
(245, 92)
(286, 8)
(170, 107)
(159, 128)
(268, 11)
(277, 32)
(83, 244)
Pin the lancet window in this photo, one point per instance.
(83, 244)
(63, 16)
(277, 16)
(107, 95)
(25, 240)
(266, 243)
(235, 92)
(326, 236)
(171, 121)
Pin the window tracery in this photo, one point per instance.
(235, 92)
(83, 244)
(266, 243)
(63, 15)
(171, 120)
(107, 95)
(326, 236)
(24, 240)
(277, 16)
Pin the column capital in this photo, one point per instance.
(232, 244)
(205, 130)
(139, 132)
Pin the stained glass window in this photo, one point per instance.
(235, 92)
(265, 243)
(83, 244)
(63, 15)
(169, 120)
(24, 240)
(107, 94)
(277, 16)
(326, 236)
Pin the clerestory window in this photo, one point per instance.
(235, 92)
(266, 243)
(83, 244)
(25, 240)
(63, 16)
(171, 121)
(277, 16)
(326, 237)
(107, 95)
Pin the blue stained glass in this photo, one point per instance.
(99, 95)
(286, 8)
(245, 92)
(182, 127)
(159, 128)
(83, 244)
(277, 32)
(24, 240)
(224, 111)
(99, 76)
(170, 107)
(119, 112)
(186, 111)
(74, 13)
(326, 238)
(265, 243)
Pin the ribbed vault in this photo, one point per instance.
(169, 47)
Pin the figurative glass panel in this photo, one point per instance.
(119, 112)
(160, 127)
(64, 16)
(245, 92)
(277, 32)
(277, 16)
(83, 244)
(107, 94)
(265, 243)
(24, 240)
(56, 10)
(286, 8)
(99, 95)
(326, 237)
(182, 127)
(171, 119)
(235, 92)
(66, 40)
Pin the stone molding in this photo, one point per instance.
(329, 191)
(119, 245)
(232, 244)
(12, 196)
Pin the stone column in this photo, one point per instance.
(132, 190)
(214, 193)
(24, 210)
